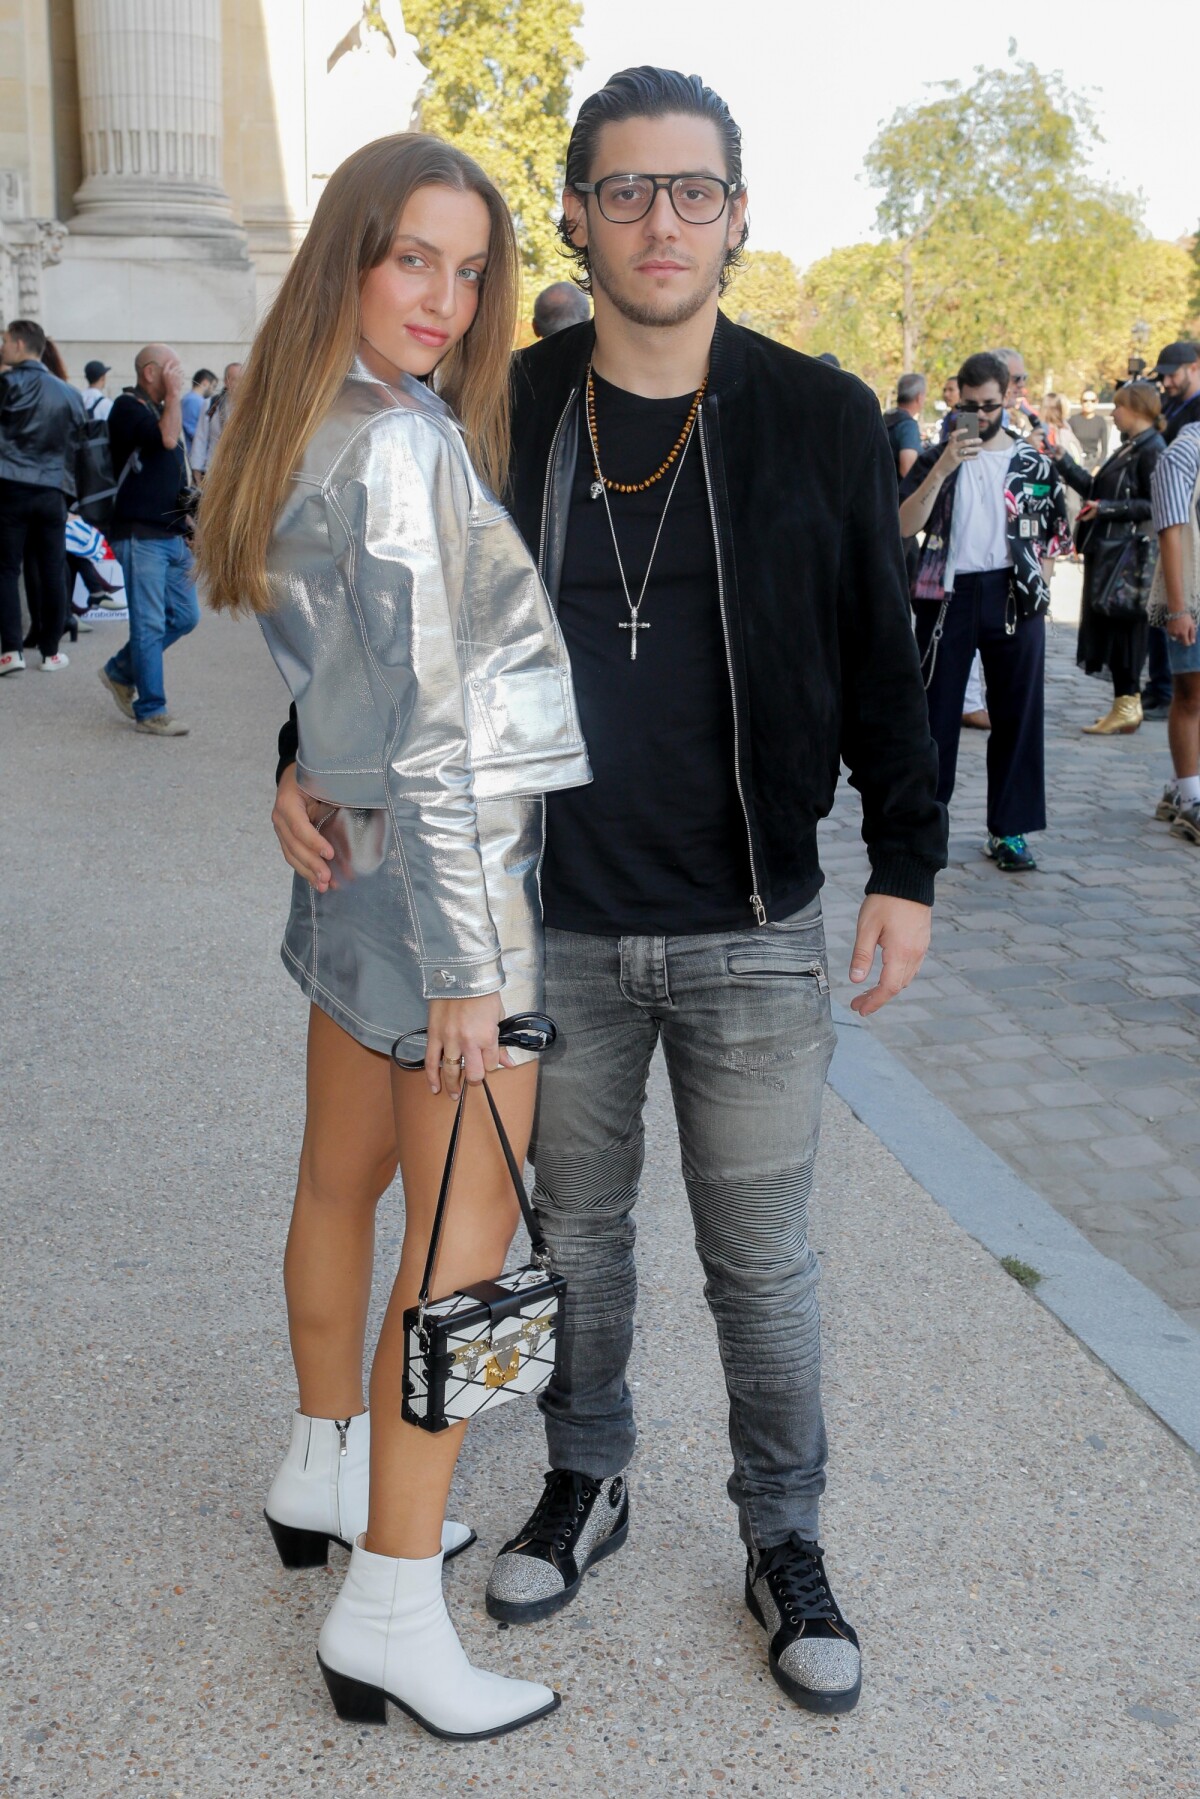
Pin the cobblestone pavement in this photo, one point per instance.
(1059, 1012)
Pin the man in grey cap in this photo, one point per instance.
(96, 403)
(1177, 372)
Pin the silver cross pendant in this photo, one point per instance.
(633, 624)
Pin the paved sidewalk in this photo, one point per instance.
(1059, 1012)
(1015, 1537)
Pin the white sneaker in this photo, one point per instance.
(161, 724)
(11, 662)
(51, 664)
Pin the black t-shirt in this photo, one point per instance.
(148, 502)
(656, 845)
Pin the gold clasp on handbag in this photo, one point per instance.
(501, 1366)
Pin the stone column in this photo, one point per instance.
(150, 106)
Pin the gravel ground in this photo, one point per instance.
(1014, 1536)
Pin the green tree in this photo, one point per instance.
(499, 87)
(1194, 295)
(765, 295)
(997, 233)
(851, 302)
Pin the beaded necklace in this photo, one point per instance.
(602, 481)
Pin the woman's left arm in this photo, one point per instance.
(398, 505)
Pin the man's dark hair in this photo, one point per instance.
(29, 335)
(649, 93)
(558, 306)
(981, 368)
(909, 388)
(202, 375)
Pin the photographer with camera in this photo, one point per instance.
(152, 522)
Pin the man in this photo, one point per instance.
(96, 402)
(991, 508)
(1020, 420)
(41, 428)
(716, 520)
(903, 430)
(203, 384)
(1177, 372)
(1175, 609)
(950, 401)
(149, 536)
(904, 438)
(1093, 432)
(558, 306)
(212, 420)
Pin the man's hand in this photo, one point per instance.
(303, 846)
(900, 929)
(959, 448)
(173, 377)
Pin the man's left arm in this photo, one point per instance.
(886, 741)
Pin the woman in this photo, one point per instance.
(1058, 432)
(1119, 553)
(347, 507)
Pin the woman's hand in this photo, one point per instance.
(1181, 628)
(293, 816)
(463, 1040)
(1088, 510)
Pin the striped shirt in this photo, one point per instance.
(1173, 484)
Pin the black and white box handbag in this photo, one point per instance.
(491, 1342)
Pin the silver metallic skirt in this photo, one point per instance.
(353, 949)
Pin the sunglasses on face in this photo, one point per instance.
(980, 406)
(624, 199)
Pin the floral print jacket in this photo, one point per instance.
(1036, 505)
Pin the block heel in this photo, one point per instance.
(299, 1548)
(353, 1700)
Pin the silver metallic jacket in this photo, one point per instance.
(424, 657)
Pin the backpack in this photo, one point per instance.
(96, 483)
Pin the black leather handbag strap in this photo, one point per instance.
(537, 1240)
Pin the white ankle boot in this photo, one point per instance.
(389, 1636)
(321, 1492)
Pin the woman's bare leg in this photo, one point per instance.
(347, 1163)
(411, 1469)
(1183, 725)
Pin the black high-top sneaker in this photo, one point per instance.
(576, 1522)
(814, 1653)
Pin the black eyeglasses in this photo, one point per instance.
(980, 406)
(624, 199)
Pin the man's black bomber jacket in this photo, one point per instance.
(823, 663)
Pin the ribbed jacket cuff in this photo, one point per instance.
(902, 877)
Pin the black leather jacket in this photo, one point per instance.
(822, 662)
(1119, 547)
(41, 428)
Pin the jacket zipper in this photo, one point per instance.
(756, 905)
(558, 431)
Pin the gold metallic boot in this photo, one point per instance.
(1122, 721)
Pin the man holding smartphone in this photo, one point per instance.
(991, 508)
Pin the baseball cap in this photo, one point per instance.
(92, 371)
(1175, 356)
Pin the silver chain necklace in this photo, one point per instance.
(634, 623)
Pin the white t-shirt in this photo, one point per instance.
(96, 403)
(979, 535)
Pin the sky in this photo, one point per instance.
(809, 86)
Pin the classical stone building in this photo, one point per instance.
(160, 159)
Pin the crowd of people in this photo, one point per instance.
(984, 531)
(486, 814)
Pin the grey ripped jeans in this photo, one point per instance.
(745, 1025)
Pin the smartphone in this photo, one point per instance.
(969, 422)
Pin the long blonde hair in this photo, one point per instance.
(308, 340)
